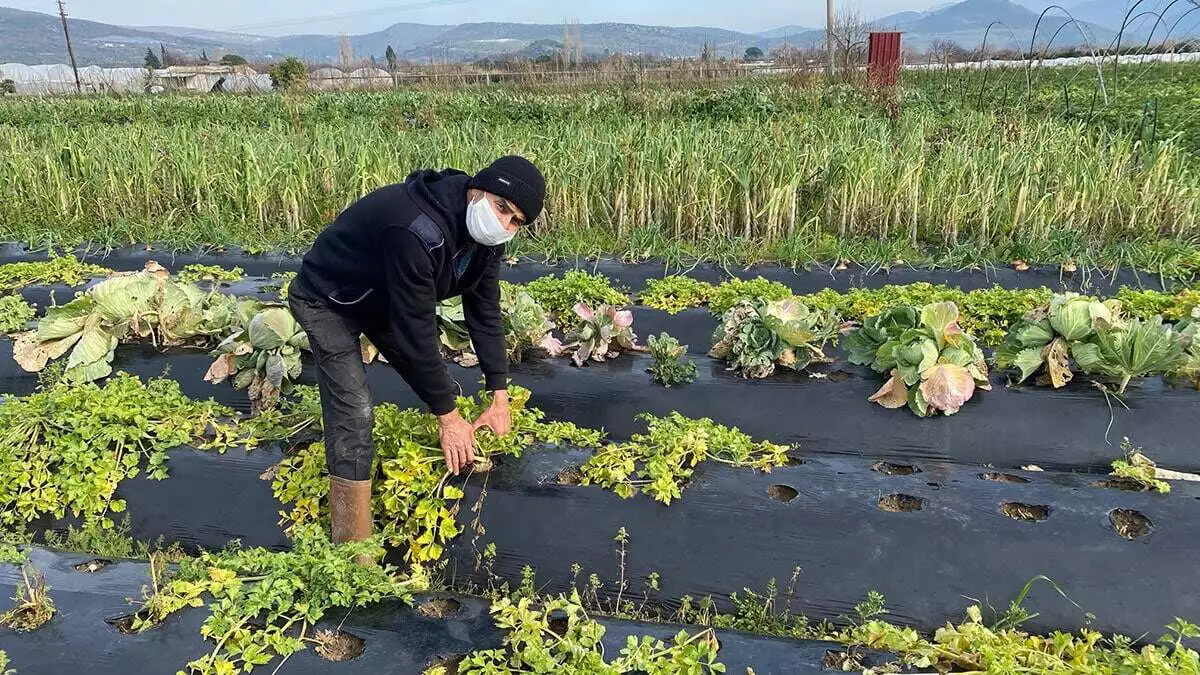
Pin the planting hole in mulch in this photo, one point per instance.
(570, 476)
(447, 664)
(842, 661)
(338, 645)
(1003, 477)
(895, 469)
(124, 623)
(1129, 524)
(899, 503)
(558, 623)
(439, 608)
(837, 376)
(782, 493)
(1030, 513)
(1122, 483)
(93, 565)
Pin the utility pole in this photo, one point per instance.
(829, 38)
(62, 13)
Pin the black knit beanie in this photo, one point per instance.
(517, 180)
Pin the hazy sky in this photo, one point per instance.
(274, 17)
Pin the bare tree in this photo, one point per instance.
(345, 53)
(945, 52)
(851, 36)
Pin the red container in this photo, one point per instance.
(883, 60)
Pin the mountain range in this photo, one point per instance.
(35, 38)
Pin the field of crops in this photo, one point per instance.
(750, 171)
(858, 464)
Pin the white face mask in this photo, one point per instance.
(484, 226)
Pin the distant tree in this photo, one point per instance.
(345, 52)
(291, 73)
(8, 87)
(947, 51)
(753, 53)
(232, 60)
(162, 49)
(204, 55)
(152, 61)
(787, 54)
(851, 36)
(390, 55)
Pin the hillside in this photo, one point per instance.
(35, 38)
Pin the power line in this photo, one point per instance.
(344, 15)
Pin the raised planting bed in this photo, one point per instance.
(1073, 428)
(634, 276)
(926, 535)
(395, 638)
(42, 296)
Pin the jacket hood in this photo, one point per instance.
(442, 195)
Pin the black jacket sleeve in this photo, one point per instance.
(412, 316)
(485, 325)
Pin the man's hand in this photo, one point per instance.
(458, 441)
(498, 416)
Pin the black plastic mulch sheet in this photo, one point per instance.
(634, 276)
(207, 500)
(396, 638)
(738, 528)
(1074, 428)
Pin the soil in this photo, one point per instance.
(93, 565)
(895, 469)
(900, 503)
(1032, 513)
(783, 493)
(1123, 483)
(449, 663)
(1003, 477)
(439, 608)
(338, 645)
(1129, 524)
(842, 661)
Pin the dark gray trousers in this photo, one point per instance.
(346, 405)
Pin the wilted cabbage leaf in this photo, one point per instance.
(946, 387)
(1056, 356)
(893, 394)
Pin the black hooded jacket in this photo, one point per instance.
(389, 259)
